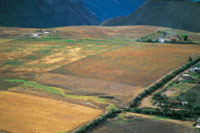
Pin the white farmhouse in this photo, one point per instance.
(186, 77)
(195, 69)
(198, 123)
(184, 103)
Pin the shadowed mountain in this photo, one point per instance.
(106, 9)
(178, 14)
(45, 13)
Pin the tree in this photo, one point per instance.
(190, 59)
(184, 37)
(191, 97)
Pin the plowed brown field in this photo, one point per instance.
(139, 64)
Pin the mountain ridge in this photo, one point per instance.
(180, 14)
(45, 13)
(106, 9)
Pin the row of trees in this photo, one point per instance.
(96, 122)
(170, 113)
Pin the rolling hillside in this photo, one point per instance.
(106, 9)
(45, 13)
(167, 13)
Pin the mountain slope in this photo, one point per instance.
(167, 13)
(106, 9)
(45, 13)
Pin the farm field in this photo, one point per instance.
(114, 92)
(81, 71)
(177, 89)
(25, 57)
(138, 64)
(180, 88)
(193, 90)
(100, 32)
(28, 56)
(25, 113)
(140, 124)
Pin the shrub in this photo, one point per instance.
(14, 62)
(190, 59)
(4, 85)
(184, 37)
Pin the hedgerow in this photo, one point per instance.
(170, 113)
(97, 121)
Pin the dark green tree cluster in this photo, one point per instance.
(170, 113)
(4, 85)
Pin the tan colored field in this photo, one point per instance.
(138, 64)
(20, 58)
(101, 32)
(25, 57)
(23, 113)
(78, 32)
(179, 122)
(13, 31)
(121, 93)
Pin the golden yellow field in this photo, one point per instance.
(23, 113)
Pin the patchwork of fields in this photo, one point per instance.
(184, 88)
(74, 74)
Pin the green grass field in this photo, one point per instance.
(194, 90)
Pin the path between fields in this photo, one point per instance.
(146, 102)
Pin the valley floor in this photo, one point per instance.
(68, 76)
